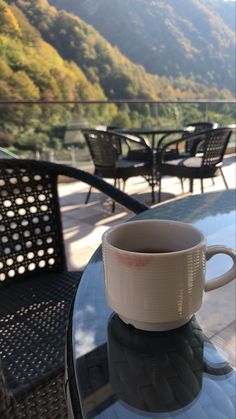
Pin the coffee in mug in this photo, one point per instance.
(155, 272)
(153, 250)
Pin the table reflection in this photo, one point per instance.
(164, 371)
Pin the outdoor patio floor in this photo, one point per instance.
(84, 225)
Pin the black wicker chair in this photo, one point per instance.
(8, 407)
(36, 289)
(46, 399)
(190, 147)
(194, 147)
(206, 165)
(119, 157)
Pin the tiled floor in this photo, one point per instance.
(85, 224)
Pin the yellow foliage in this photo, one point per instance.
(8, 22)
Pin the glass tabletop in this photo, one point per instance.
(153, 132)
(121, 372)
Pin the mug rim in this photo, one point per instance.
(201, 242)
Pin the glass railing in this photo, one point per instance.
(51, 130)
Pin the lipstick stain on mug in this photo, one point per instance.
(135, 262)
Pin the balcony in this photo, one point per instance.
(51, 131)
(60, 140)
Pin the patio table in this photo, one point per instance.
(116, 371)
(152, 132)
(162, 133)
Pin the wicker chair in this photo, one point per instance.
(206, 165)
(8, 408)
(119, 157)
(36, 288)
(190, 147)
(194, 147)
(46, 399)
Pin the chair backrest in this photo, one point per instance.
(215, 145)
(31, 233)
(196, 127)
(202, 126)
(31, 239)
(8, 407)
(103, 148)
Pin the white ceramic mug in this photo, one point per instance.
(155, 272)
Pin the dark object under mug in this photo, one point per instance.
(159, 371)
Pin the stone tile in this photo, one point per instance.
(225, 341)
(81, 242)
(69, 222)
(66, 189)
(114, 220)
(81, 212)
(218, 309)
(77, 259)
(78, 199)
(103, 219)
(77, 232)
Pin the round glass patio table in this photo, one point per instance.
(117, 371)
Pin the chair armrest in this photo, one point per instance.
(139, 140)
(161, 152)
(160, 142)
(95, 181)
(138, 149)
(131, 139)
(60, 169)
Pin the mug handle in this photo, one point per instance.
(228, 276)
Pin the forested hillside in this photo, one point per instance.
(226, 10)
(192, 38)
(103, 64)
(30, 68)
(51, 77)
(49, 54)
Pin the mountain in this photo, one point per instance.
(192, 38)
(30, 68)
(76, 41)
(103, 64)
(226, 9)
(48, 54)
